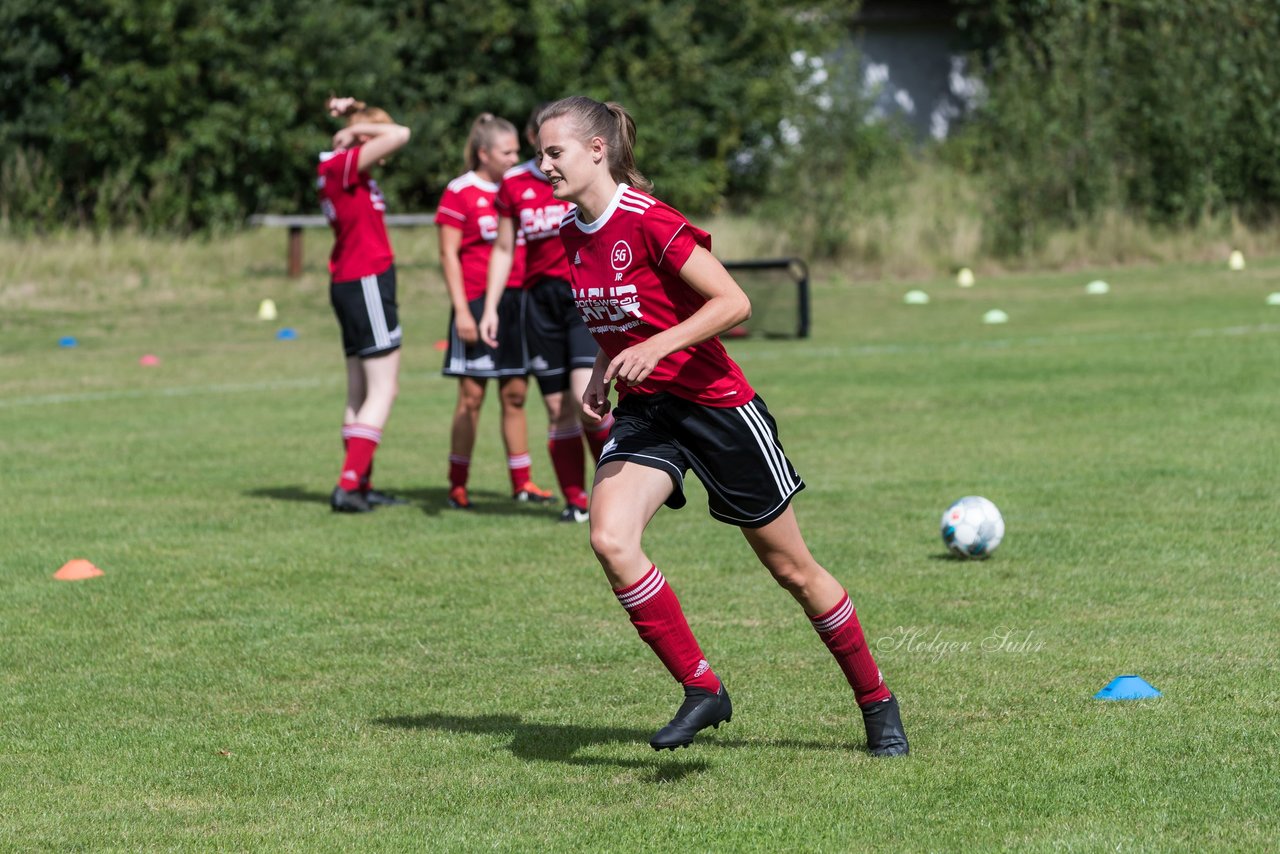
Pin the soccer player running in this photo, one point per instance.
(561, 351)
(655, 299)
(362, 290)
(468, 226)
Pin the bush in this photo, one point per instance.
(1167, 111)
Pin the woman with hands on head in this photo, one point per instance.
(362, 290)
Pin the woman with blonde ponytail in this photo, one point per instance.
(561, 351)
(655, 299)
(362, 290)
(468, 225)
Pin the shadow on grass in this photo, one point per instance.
(535, 742)
(430, 500)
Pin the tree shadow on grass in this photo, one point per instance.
(433, 501)
(538, 742)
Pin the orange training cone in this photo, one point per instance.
(77, 570)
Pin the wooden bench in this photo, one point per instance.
(296, 222)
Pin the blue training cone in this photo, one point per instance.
(286, 334)
(67, 341)
(1127, 688)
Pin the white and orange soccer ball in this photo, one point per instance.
(972, 527)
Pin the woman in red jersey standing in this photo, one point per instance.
(561, 351)
(362, 290)
(655, 299)
(467, 228)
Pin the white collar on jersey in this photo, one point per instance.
(487, 186)
(593, 227)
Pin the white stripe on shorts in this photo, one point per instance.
(648, 587)
(769, 448)
(373, 305)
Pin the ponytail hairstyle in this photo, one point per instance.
(609, 121)
(359, 111)
(485, 131)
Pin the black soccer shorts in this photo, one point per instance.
(734, 451)
(481, 361)
(557, 339)
(366, 311)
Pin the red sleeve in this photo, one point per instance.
(670, 238)
(451, 210)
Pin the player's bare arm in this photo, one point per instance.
(500, 261)
(378, 140)
(595, 399)
(726, 306)
(451, 265)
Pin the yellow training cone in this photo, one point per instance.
(1236, 261)
(267, 310)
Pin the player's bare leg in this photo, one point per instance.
(513, 392)
(372, 385)
(623, 501)
(462, 438)
(568, 457)
(782, 549)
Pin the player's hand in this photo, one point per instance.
(343, 139)
(595, 400)
(489, 328)
(467, 329)
(634, 364)
(339, 106)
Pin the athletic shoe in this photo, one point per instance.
(348, 502)
(382, 499)
(573, 513)
(533, 494)
(885, 736)
(458, 499)
(700, 709)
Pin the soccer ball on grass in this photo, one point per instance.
(972, 527)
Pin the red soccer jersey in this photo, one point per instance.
(467, 204)
(353, 204)
(525, 196)
(626, 282)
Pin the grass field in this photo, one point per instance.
(256, 673)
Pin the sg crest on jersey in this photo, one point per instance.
(620, 257)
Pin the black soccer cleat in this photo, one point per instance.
(574, 514)
(374, 498)
(700, 709)
(885, 735)
(348, 502)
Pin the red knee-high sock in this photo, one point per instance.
(459, 469)
(568, 459)
(842, 633)
(598, 435)
(521, 468)
(362, 441)
(655, 612)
